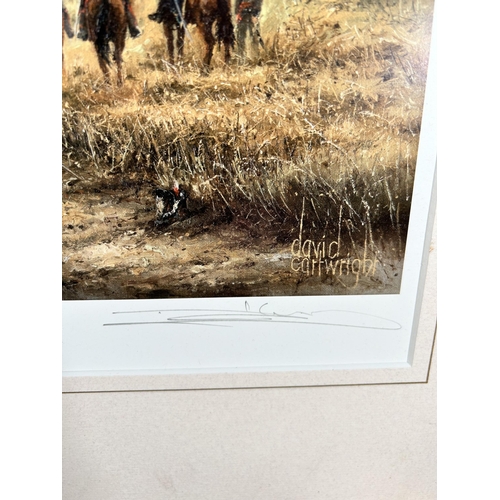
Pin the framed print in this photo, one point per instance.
(248, 200)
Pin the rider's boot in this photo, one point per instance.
(164, 7)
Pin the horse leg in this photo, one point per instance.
(255, 35)
(241, 36)
(169, 35)
(227, 51)
(83, 29)
(131, 20)
(180, 42)
(119, 72)
(67, 23)
(209, 41)
(103, 64)
(119, 47)
(118, 56)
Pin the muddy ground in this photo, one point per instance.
(111, 249)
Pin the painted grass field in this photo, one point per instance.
(298, 159)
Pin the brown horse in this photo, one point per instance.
(66, 29)
(204, 14)
(107, 23)
(169, 14)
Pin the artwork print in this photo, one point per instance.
(228, 148)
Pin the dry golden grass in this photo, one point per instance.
(323, 126)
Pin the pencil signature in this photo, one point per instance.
(230, 317)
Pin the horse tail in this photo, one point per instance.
(102, 31)
(225, 28)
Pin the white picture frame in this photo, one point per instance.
(298, 342)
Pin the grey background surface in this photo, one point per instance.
(347, 442)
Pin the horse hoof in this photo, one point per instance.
(83, 35)
(135, 32)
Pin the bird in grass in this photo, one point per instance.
(169, 202)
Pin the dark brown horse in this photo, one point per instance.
(169, 14)
(107, 23)
(207, 13)
(66, 29)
